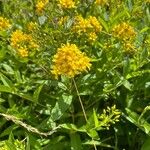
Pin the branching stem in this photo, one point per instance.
(83, 110)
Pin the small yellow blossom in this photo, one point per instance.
(31, 26)
(4, 23)
(95, 23)
(40, 6)
(100, 2)
(81, 25)
(62, 20)
(23, 52)
(92, 36)
(129, 48)
(86, 25)
(22, 43)
(124, 31)
(69, 61)
(66, 4)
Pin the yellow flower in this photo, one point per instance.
(63, 20)
(81, 24)
(85, 25)
(23, 52)
(129, 48)
(31, 26)
(124, 31)
(95, 24)
(22, 43)
(100, 2)
(92, 36)
(69, 61)
(4, 23)
(66, 4)
(40, 6)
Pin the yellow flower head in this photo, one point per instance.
(40, 6)
(66, 4)
(81, 24)
(23, 52)
(31, 26)
(95, 23)
(63, 20)
(22, 42)
(124, 31)
(129, 48)
(70, 61)
(92, 36)
(4, 23)
(85, 25)
(100, 2)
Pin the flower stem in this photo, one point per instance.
(83, 110)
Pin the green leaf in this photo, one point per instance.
(146, 145)
(93, 134)
(122, 13)
(144, 29)
(92, 142)
(6, 81)
(8, 130)
(37, 92)
(61, 106)
(2, 100)
(28, 143)
(104, 24)
(95, 118)
(8, 69)
(73, 127)
(2, 54)
(7, 89)
(75, 141)
(134, 118)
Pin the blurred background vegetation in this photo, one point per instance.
(74, 74)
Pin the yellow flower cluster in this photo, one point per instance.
(66, 4)
(22, 43)
(92, 36)
(95, 24)
(124, 31)
(63, 20)
(4, 24)
(100, 2)
(90, 26)
(40, 6)
(31, 26)
(109, 116)
(70, 61)
(129, 48)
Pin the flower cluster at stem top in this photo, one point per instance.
(89, 26)
(70, 61)
(4, 23)
(66, 4)
(40, 6)
(101, 2)
(22, 43)
(124, 31)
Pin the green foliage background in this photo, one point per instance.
(39, 112)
